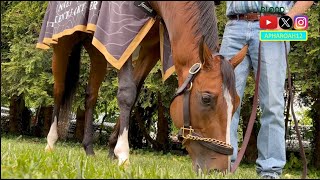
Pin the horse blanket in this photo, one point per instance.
(118, 27)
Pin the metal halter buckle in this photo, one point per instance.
(195, 68)
(186, 128)
(189, 87)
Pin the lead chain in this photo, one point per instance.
(197, 138)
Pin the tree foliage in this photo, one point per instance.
(24, 68)
(304, 61)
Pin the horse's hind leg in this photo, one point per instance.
(59, 68)
(113, 139)
(98, 71)
(60, 63)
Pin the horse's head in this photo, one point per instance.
(203, 107)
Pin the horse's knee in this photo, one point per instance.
(126, 95)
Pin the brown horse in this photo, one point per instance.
(205, 79)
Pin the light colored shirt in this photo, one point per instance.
(243, 7)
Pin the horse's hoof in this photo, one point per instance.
(89, 150)
(48, 149)
(124, 163)
(91, 154)
(112, 156)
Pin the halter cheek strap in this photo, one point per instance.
(192, 72)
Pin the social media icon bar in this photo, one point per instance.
(268, 22)
(300, 22)
(285, 22)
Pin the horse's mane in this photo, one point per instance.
(206, 23)
(207, 27)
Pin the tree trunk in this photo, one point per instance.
(37, 125)
(47, 118)
(163, 127)
(43, 119)
(135, 132)
(138, 119)
(19, 116)
(316, 140)
(251, 152)
(79, 132)
(145, 125)
(26, 120)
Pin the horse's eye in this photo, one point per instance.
(206, 98)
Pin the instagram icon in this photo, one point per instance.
(300, 22)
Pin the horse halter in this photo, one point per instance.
(187, 132)
(185, 88)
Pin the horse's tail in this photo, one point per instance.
(70, 84)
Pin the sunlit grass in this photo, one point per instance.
(26, 158)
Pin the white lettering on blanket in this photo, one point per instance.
(93, 5)
(61, 7)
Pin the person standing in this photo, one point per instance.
(243, 28)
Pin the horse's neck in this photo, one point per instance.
(181, 33)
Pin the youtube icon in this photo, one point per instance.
(268, 22)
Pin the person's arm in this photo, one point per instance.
(300, 7)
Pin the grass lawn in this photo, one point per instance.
(25, 158)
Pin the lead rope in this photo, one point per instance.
(303, 156)
(253, 116)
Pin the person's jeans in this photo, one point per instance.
(271, 137)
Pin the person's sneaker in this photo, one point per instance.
(268, 176)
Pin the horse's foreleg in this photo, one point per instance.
(148, 56)
(126, 98)
(97, 74)
(143, 67)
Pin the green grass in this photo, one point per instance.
(25, 158)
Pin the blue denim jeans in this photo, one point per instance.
(271, 138)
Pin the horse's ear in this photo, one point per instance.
(204, 52)
(238, 58)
